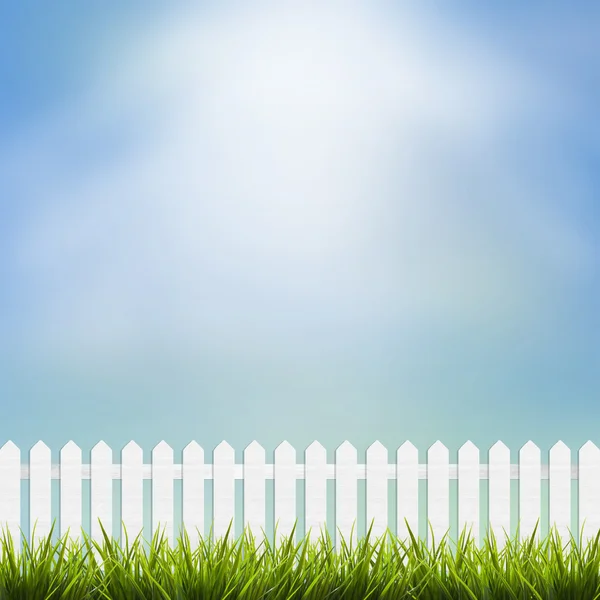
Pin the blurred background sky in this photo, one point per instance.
(315, 220)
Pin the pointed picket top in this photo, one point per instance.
(345, 444)
(10, 450)
(285, 451)
(224, 447)
(560, 451)
(346, 453)
(377, 451)
(132, 450)
(224, 452)
(500, 446)
(101, 450)
(499, 452)
(284, 444)
(499, 461)
(193, 451)
(70, 450)
(254, 451)
(408, 445)
(193, 444)
(588, 455)
(69, 444)
(40, 453)
(160, 447)
(438, 450)
(10, 458)
(529, 448)
(407, 451)
(468, 454)
(315, 450)
(529, 454)
(589, 449)
(468, 448)
(162, 454)
(40, 448)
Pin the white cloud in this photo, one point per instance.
(350, 166)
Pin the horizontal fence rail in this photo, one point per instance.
(300, 471)
(285, 471)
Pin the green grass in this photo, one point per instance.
(228, 570)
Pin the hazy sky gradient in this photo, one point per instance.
(331, 221)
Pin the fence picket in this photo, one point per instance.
(530, 492)
(70, 491)
(407, 486)
(192, 484)
(10, 493)
(315, 491)
(589, 491)
(559, 489)
(254, 491)
(132, 493)
(101, 494)
(438, 493)
(468, 490)
(346, 496)
(224, 491)
(284, 490)
(499, 493)
(377, 490)
(162, 491)
(40, 508)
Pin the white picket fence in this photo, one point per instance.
(285, 471)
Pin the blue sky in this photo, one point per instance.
(330, 221)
